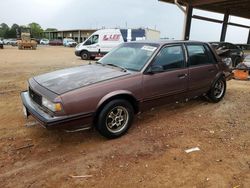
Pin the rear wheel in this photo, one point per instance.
(115, 118)
(218, 90)
(85, 55)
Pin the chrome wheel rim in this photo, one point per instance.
(219, 88)
(117, 119)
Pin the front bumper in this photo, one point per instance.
(70, 122)
(77, 53)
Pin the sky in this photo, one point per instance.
(85, 14)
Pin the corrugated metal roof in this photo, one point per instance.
(239, 8)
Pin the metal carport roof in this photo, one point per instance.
(240, 8)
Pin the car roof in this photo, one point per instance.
(164, 42)
(221, 43)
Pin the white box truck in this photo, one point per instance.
(103, 40)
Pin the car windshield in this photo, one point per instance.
(131, 56)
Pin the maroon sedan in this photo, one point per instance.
(56, 42)
(132, 78)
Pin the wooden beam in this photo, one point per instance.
(239, 25)
(224, 28)
(188, 20)
(205, 2)
(207, 19)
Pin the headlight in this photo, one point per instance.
(55, 107)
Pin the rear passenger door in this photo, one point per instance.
(170, 83)
(203, 68)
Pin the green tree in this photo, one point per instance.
(4, 28)
(36, 30)
(12, 31)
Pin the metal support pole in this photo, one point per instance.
(248, 41)
(188, 20)
(79, 36)
(224, 28)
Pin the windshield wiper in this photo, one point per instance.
(113, 65)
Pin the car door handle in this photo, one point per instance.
(181, 76)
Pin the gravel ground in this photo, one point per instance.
(152, 154)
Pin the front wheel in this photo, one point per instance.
(85, 55)
(115, 118)
(218, 90)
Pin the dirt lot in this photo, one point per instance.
(150, 155)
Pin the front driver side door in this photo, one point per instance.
(169, 84)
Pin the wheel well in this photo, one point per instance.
(126, 97)
(84, 51)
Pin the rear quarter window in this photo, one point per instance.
(199, 55)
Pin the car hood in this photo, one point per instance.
(65, 80)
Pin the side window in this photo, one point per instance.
(92, 40)
(171, 57)
(198, 55)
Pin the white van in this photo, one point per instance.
(102, 41)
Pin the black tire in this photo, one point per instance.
(217, 90)
(85, 55)
(115, 118)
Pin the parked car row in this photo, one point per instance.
(67, 42)
(12, 42)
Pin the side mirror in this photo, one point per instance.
(155, 69)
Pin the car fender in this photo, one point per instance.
(112, 95)
(218, 75)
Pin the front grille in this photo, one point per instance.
(35, 97)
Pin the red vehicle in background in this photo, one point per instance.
(56, 42)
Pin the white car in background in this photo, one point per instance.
(68, 42)
(6, 41)
(44, 41)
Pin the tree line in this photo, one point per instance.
(10, 32)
